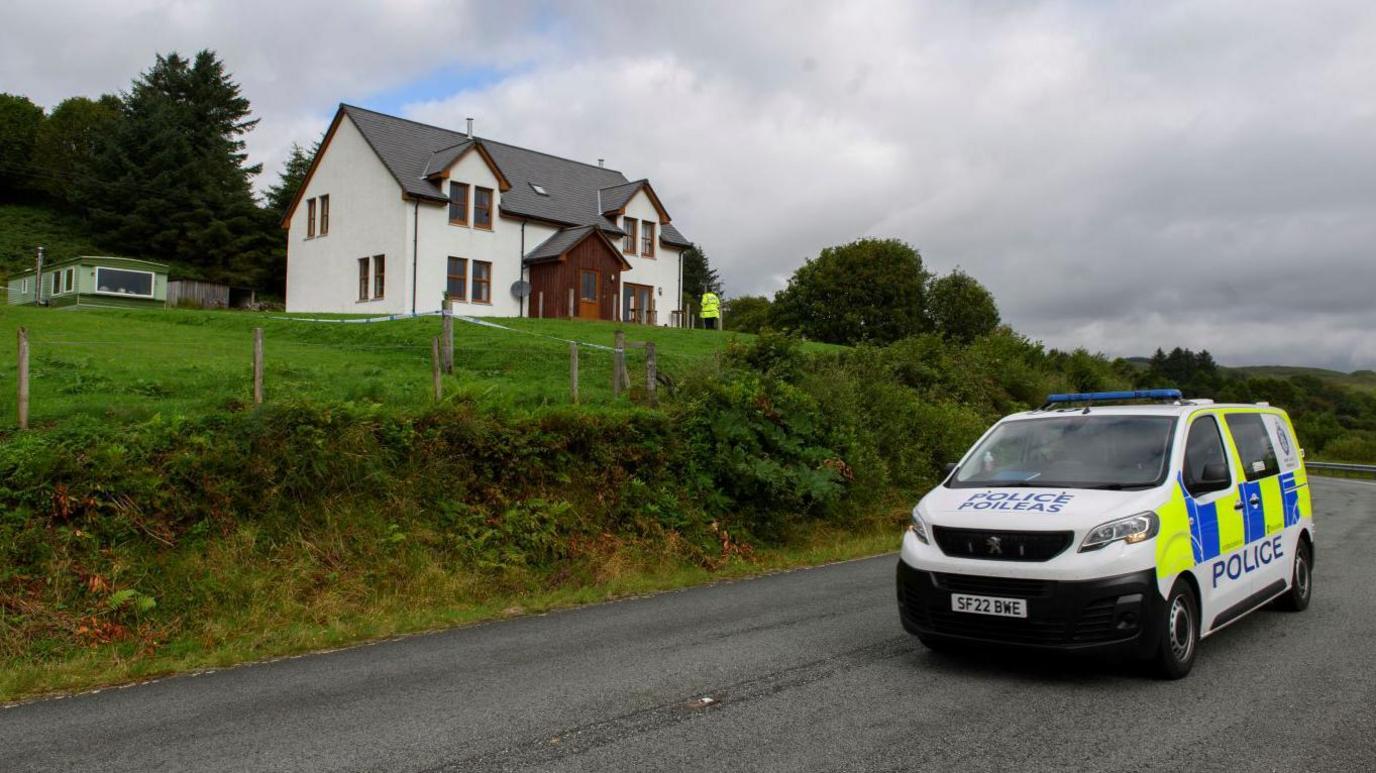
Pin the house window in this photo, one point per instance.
(324, 214)
(57, 283)
(458, 203)
(69, 280)
(647, 239)
(482, 207)
(310, 218)
(482, 281)
(118, 281)
(379, 272)
(628, 225)
(457, 285)
(363, 279)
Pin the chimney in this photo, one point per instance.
(601, 162)
(470, 128)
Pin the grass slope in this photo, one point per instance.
(127, 366)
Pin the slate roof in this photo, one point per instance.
(412, 150)
(558, 244)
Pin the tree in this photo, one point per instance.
(290, 179)
(68, 141)
(746, 314)
(698, 278)
(19, 122)
(172, 180)
(871, 290)
(961, 309)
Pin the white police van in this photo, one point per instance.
(1096, 525)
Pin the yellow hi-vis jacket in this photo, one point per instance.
(711, 305)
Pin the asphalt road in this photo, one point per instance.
(806, 671)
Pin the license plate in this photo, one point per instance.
(988, 605)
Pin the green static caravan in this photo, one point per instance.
(93, 281)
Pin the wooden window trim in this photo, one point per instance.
(491, 205)
(324, 215)
(463, 219)
(631, 244)
(379, 276)
(473, 281)
(647, 239)
(310, 218)
(463, 275)
(363, 279)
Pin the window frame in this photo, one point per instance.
(463, 218)
(68, 280)
(474, 282)
(1249, 473)
(1186, 473)
(363, 278)
(647, 239)
(630, 245)
(324, 229)
(56, 288)
(379, 277)
(478, 190)
(310, 218)
(152, 282)
(462, 276)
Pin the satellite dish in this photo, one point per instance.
(520, 288)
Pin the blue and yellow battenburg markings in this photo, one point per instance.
(1203, 524)
(1204, 531)
(1290, 497)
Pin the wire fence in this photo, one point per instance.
(131, 372)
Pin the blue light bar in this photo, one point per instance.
(1094, 397)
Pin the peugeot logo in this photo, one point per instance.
(995, 546)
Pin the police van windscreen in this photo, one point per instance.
(1081, 451)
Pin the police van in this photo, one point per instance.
(1128, 522)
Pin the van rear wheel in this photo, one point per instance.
(1296, 599)
(1179, 634)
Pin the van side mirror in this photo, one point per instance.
(948, 468)
(1214, 477)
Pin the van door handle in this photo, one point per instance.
(1237, 505)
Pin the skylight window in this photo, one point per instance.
(540, 189)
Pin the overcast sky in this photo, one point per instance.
(1122, 175)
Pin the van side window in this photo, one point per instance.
(1253, 445)
(1205, 458)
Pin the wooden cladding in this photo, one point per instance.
(555, 283)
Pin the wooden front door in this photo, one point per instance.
(589, 294)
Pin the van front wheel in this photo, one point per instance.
(1179, 634)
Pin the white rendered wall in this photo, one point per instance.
(367, 217)
(500, 246)
(659, 272)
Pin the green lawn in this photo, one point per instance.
(130, 365)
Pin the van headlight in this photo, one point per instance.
(919, 528)
(1132, 529)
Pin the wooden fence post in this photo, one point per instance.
(435, 368)
(257, 366)
(573, 371)
(572, 311)
(618, 363)
(448, 330)
(651, 371)
(23, 378)
(542, 304)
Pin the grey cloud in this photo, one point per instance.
(1122, 175)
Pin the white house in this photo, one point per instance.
(395, 215)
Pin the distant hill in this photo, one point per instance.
(1358, 379)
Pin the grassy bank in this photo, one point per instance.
(304, 613)
(126, 366)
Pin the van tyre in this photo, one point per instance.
(1296, 599)
(1179, 634)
